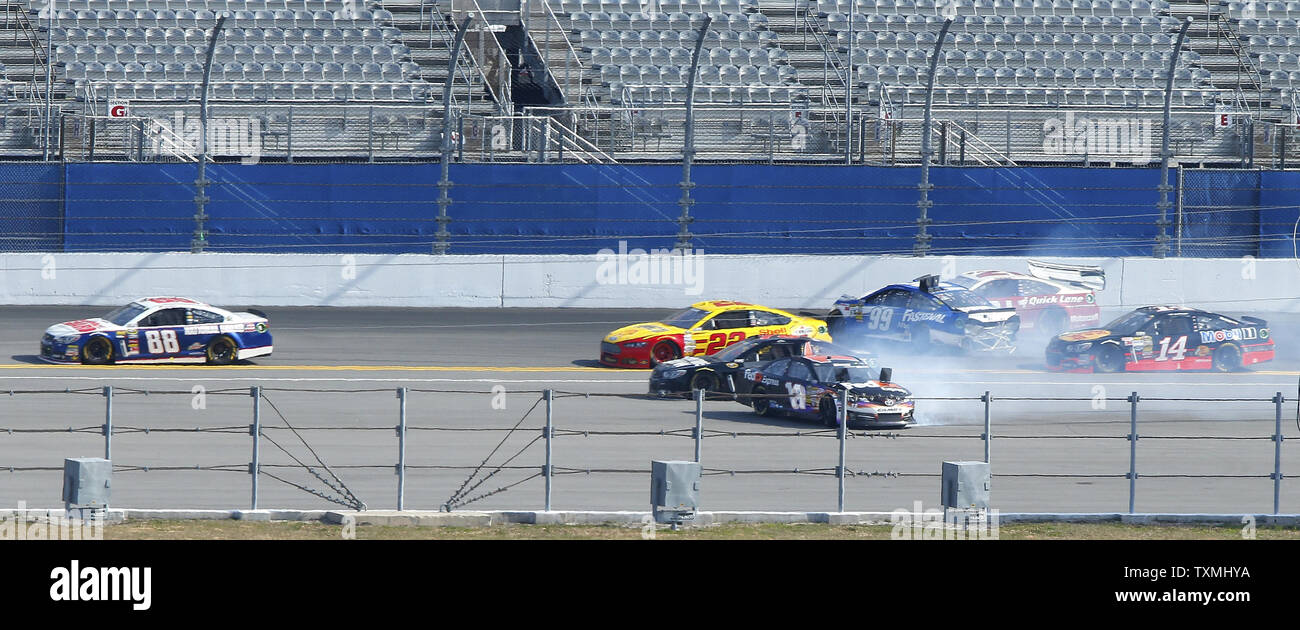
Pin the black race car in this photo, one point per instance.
(720, 371)
(1163, 338)
(811, 387)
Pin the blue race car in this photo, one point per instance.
(925, 313)
(159, 330)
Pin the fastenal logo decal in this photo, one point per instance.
(1127, 139)
(231, 137)
(102, 584)
(671, 267)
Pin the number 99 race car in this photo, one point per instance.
(159, 330)
(1163, 338)
(925, 313)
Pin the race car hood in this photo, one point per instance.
(640, 331)
(80, 326)
(987, 314)
(1089, 334)
(878, 388)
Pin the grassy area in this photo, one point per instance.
(246, 530)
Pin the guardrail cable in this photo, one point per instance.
(346, 497)
(454, 500)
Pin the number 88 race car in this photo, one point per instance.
(159, 330)
(1164, 338)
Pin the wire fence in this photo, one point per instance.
(331, 445)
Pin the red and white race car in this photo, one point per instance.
(1050, 299)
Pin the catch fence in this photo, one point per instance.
(461, 449)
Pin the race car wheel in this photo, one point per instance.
(1052, 323)
(762, 406)
(921, 339)
(222, 351)
(828, 413)
(97, 351)
(664, 351)
(705, 380)
(835, 323)
(1227, 358)
(1109, 358)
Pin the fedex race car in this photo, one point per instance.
(1051, 299)
(925, 312)
(159, 330)
(704, 328)
(1163, 338)
(811, 387)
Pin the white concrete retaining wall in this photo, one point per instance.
(594, 281)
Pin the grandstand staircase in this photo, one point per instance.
(22, 56)
(1223, 54)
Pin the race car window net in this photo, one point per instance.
(799, 371)
(684, 318)
(854, 374)
(121, 316)
(199, 316)
(776, 368)
(764, 318)
(1128, 324)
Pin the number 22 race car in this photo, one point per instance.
(159, 330)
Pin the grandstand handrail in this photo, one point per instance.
(438, 22)
(584, 96)
(501, 92)
(983, 149)
(1223, 28)
(831, 54)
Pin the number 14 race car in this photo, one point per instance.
(1164, 338)
(159, 330)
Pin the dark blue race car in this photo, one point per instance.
(925, 313)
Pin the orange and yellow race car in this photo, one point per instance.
(704, 328)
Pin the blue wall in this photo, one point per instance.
(530, 208)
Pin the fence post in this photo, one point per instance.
(256, 431)
(549, 395)
(288, 136)
(699, 422)
(1277, 450)
(1132, 449)
(844, 423)
(370, 134)
(108, 422)
(988, 433)
(401, 448)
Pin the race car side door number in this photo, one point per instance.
(162, 341)
(1174, 351)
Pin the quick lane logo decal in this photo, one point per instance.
(1232, 334)
(102, 584)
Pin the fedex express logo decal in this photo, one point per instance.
(1234, 334)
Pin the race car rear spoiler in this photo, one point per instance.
(1086, 276)
(1254, 321)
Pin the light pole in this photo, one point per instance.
(46, 139)
(848, 92)
(688, 145)
(440, 245)
(1162, 239)
(200, 240)
(922, 246)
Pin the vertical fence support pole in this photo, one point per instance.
(844, 424)
(550, 429)
(699, 422)
(988, 433)
(1277, 450)
(401, 448)
(108, 422)
(256, 431)
(1132, 449)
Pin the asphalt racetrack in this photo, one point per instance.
(334, 373)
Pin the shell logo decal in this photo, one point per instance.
(1085, 335)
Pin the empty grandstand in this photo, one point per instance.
(1015, 81)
